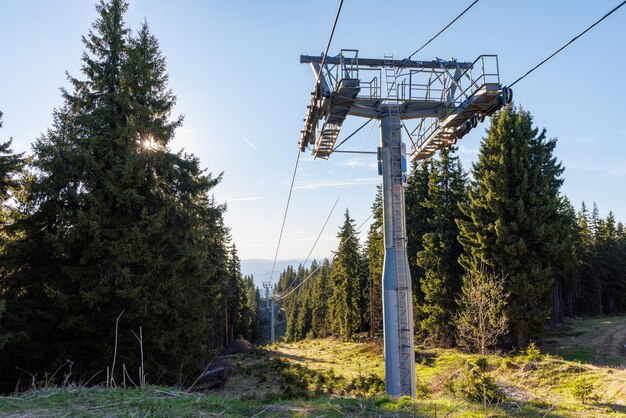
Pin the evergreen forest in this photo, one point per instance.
(506, 217)
(115, 255)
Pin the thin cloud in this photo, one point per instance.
(583, 139)
(250, 143)
(359, 163)
(330, 184)
(611, 171)
(243, 199)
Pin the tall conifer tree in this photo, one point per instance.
(11, 165)
(417, 216)
(513, 218)
(441, 282)
(321, 295)
(375, 253)
(346, 276)
(115, 224)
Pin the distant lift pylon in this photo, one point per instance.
(446, 99)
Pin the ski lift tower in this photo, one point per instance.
(445, 100)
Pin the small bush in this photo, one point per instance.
(421, 390)
(532, 353)
(583, 389)
(384, 400)
(369, 385)
(482, 364)
(475, 384)
(508, 363)
(478, 387)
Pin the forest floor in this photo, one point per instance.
(331, 378)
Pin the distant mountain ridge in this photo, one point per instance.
(261, 269)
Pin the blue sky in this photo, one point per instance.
(234, 66)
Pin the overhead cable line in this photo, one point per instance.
(280, 236)
(284, 295)
(330, 38)
(332, 209)
(352, 134)
(331, 259)
(282, 227)
(442, 30)
(569, 43)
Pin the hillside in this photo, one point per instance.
(334, 378)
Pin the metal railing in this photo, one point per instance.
(471, 80)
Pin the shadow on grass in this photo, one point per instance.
(303, 358)
(615, 407)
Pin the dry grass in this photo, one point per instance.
(317, 378)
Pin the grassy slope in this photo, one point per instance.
(332, 378)
(598, 340)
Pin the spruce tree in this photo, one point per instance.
(231, 296)
(248, 312)
(291, 282)
(598, 267)
(375, 253)
(346, 276)
(610, 261)
(11, 165)
(115, 225)
(584, 290)
(568, 263)
(321, 294)
(441, 280)
(513, 219)
(417, 216)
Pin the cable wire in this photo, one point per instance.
(569, 43)
(331, 259)
(332, 209)
(284, 295)
(282, 227)
(332, 32)
(280, 236)
(352, 134)
(442, 30)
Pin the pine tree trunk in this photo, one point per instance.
(225, 326)
(570, 303)
(599, 296)
(371, 333)
(557, 311)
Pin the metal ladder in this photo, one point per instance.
(405, 302)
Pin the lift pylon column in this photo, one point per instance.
(397, 295)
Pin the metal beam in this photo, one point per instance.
(356, 152)
(376, 62)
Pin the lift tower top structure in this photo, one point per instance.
(445, 99)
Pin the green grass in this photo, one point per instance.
(594, 340)
(162, 402)
(547, 389)
(344, 379)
